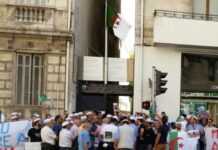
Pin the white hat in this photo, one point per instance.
(73, 115)
(68, 119)
(65, 123)
(36, 115)
(14, 117)
(149, 120)
(109, 116)
(139, 118)
(48, 120)
(36, 120)
(83, 118)
(80, 113)
(125, 120)
(89, 113)
(132, 118)
(115, 117)
(103, 112)
(14, 114)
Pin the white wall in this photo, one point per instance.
(167, 60)
(185, 32)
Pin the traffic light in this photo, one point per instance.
(146, 105)
(160, 82)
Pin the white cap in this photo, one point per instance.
(149, 120)
(14, 117)
(36, 120)
(132, 118)
(103, 112)
(48, 120)
(14, 114)
(83, 118)
(65, 123)
(68, 119)
(36, 115)
(115, 117)
(109, 116)
(125, 120)
(80, 113)
(139, 118)
(89, 113)
(74, 115)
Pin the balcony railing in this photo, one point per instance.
(30, 3)
(185, 15)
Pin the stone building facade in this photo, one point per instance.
(34, 40)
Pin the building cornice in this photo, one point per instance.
(52, 33)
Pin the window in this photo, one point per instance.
(213, 7)
(199, 6)
(29, 79)
(199, 72)
(205, 6)
(30, 14)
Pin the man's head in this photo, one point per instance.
(173, 125)
(164, 119)
(58, 119)
(178, 126)
(49, 121)
(36, 123)
(66, 125)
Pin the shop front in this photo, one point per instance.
(199, 84)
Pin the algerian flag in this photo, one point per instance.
(172, 139)
(119, 25)
(121, 28)
(42, 98)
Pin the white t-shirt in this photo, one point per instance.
(65, 138)
(109, 132)
(183, 123)
(48, 135)
(127, 137)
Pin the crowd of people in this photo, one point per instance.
(100, 131)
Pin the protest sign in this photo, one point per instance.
(13, 135)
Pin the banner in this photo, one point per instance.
(13, 135)
(211, 135)
(33, 146)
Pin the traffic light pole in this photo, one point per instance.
(153, 89)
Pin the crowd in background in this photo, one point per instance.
(95, 130)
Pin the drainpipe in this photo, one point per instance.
(68, 80)
(142, 50)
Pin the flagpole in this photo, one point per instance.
(106, 47)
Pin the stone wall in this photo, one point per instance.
(6, 80)
(55, 82)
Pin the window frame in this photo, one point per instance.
(32, 100)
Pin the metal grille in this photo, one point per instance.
(29, 78)
(185, 15)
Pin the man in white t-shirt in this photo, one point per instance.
(65, 136)
(48, 135)
(127, 136)
(110, 134)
